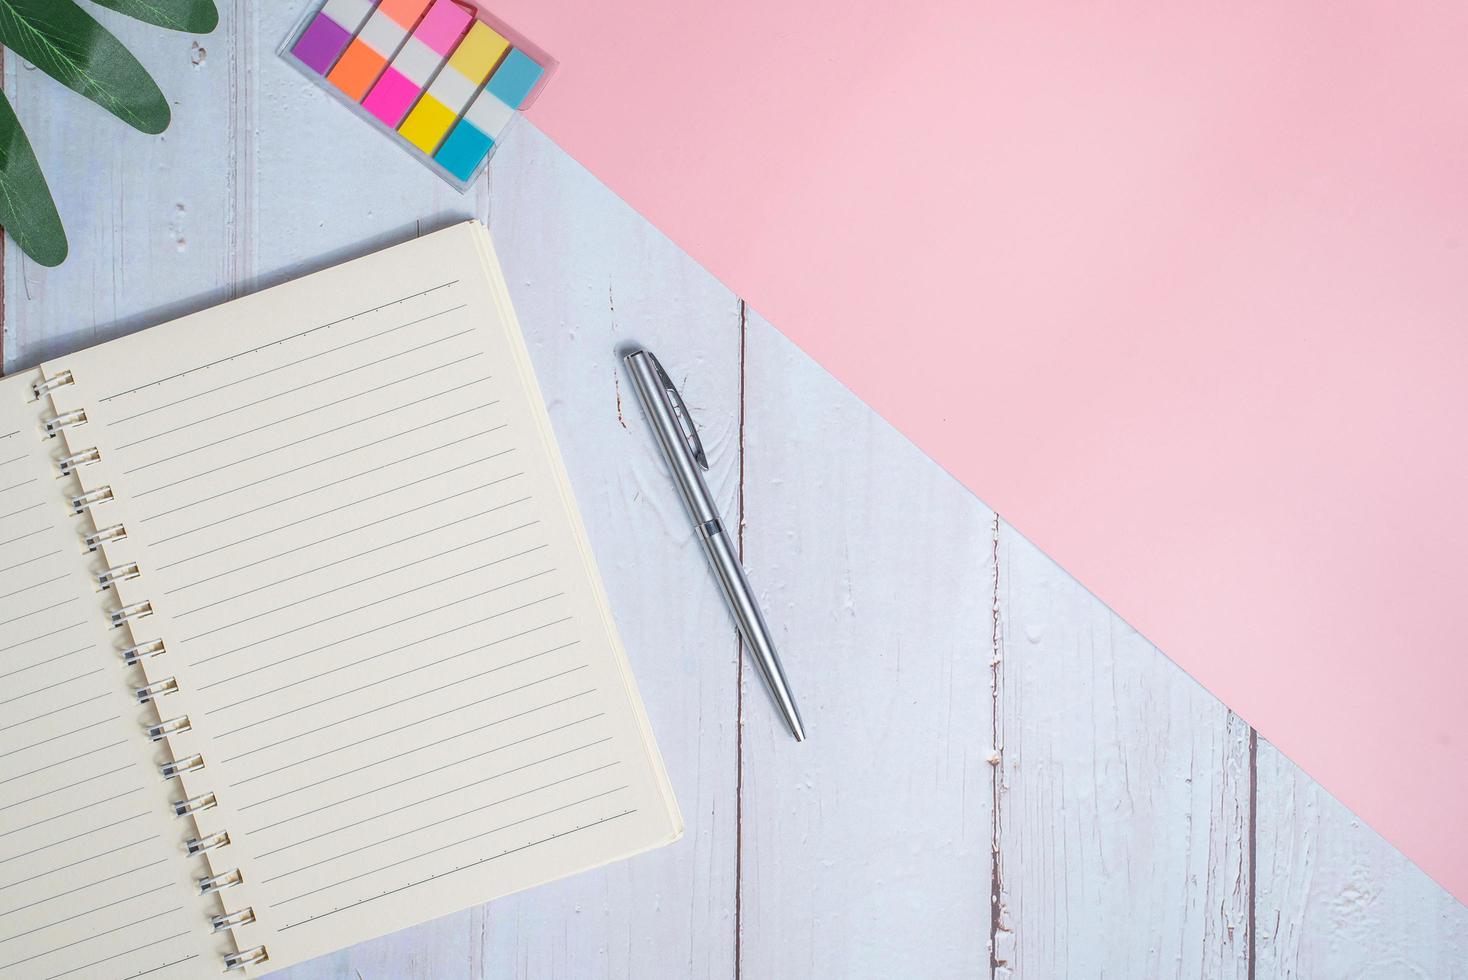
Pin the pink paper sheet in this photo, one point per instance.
(1181, 290)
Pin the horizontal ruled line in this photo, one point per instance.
(43, 636)
(156, 942)
(17, 486)
(437, 823)
(288, 391)
(299, 415)
(34, 585)
(156, 969)
(30, 561)
(75, 809)
(37, 612)
(297, 443)
(281, 367)
(371, 578)
(42, 663)
(464, 840)
(95, 935)
(23, 510)
(349, 612)
(338, 509)
(278, 742)
(48, 687)
(378, 629)
(401, 782)
(68, 840)
(60, 789)
(341, 534)
(357, 664)
(53, 738)
(318, 462)
(78, 915)
(320, 835)
(276, 343)
(399, 676)
(53, 711)
(53, 765)
(361, 554)
(90, 884)
(424, 881)
(23, 537)
(394, 731)
(306, 493)
(129, 952)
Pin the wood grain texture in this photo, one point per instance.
(1124, 788)
(865, 850)
(587, 275)
(1114, 831)
(1335, 900)
(146, 216)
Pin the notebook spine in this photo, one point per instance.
(129, 617)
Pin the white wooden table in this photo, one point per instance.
(1003, 779)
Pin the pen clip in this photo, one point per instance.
(680, 412)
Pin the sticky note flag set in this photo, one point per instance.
(443, 77)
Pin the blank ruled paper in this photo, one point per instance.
(376, 596)
(88, 884)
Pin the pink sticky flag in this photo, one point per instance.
(414, 66)
(1178, 289)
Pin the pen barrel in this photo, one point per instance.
(671, 438)
(724, 560)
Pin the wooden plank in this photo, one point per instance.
(587, 275)
(584, 272)
(1123, 824)
(147, 217)
(1333, 899)
(865, 850)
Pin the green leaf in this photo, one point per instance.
(189, 16)
(26, 210)
(66, 43)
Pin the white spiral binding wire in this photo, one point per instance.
(129, 615)
(245, 957)
(135, 655)
(76, 461)
(241, 918)
(173, 726)
(198, 845)
(221, 881)
(176, 768)
(48, 385)
(118, 573)
(107, 535)
(154, 691)
(66, 420)
(92, 498)
(197, 804)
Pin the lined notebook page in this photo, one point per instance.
(91, 883)
(376, 595)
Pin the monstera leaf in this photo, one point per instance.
(67, 43)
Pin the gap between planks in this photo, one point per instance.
(1002, 928)
(739, 670)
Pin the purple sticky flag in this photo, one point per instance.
(321, 44)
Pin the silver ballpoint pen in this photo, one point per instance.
(678, 437)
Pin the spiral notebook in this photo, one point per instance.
(301, 639)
